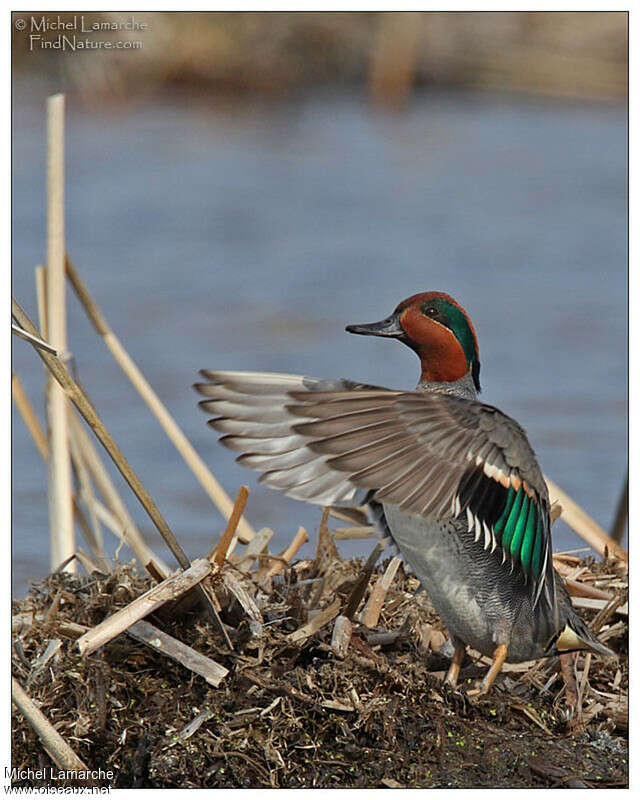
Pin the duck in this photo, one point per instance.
(453, 481)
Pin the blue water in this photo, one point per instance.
(246, 237)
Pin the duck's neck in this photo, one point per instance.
(463, 387)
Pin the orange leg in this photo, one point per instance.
(499, 657)
(456, 663)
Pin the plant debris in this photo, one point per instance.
(313, 698)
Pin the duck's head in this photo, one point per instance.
(440, 332)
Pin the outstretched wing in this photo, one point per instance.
(330, 442)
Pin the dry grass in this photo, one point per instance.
(291, 713)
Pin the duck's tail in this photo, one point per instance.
(577, 636)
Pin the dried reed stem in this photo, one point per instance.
(314, 625)
(144, 389)
(61, 754)
(589, 530)
(341, 636)
(219, 553)
(622, 512)
(41, 295)
(61, 533)
(167, 645)
(371, 613)
(256, 547)
(120, 521)
(287, 554)
(33, 426)
(170, 589)
(81, 402)
(29, 416)
(95, 539)
(360, 532)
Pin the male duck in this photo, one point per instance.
(455, 482)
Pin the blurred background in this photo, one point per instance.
(240, 186)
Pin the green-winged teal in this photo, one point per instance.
(452, 480)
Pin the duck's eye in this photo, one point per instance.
(430, 311)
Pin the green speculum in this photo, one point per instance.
(519, 529)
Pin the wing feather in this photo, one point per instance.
(335, 442)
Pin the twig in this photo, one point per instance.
(622, 512)
(86, 493)
(62, 755)
(81, 402)
(606, 610)
(341, 636)
(256, 547)
(583, 681)
(36, 341)
(314, 625)
(371, 613)
(62, 540)
(219, 553)
(83, 405)
(175, 434)
(287, 554)
(614, 606)
(171, 588)
(167, 645)
(33, 426)
(41, 295)
(579, 589)
(363, 581)
(243, 597)
(567, 668)
(29, 416)
(362, 532)
(119, 521)
(589, 530)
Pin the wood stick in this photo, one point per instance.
(243, 597)
(81, 402)
(288, 553)
(598, 605)
(580, 589)
(61, 754)
(589, 530)
(256, 547)
(171, 588)
(126, 530)
(319, 621)
(35, 340)
(358, 532)
(41, 295)
(204, 476)
(167, 645)
(363, 581)
(33, 426)
(29, 416)
(61, 533)
(219, 553)
(94, 540)
(356, 516)
(341, 636)
(622, 512)
(371, 613)
(119, 521)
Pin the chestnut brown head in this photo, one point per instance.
(438, 329)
